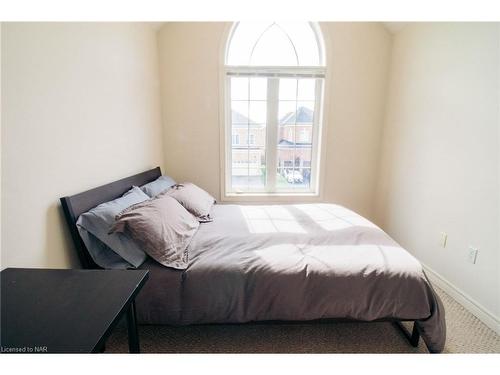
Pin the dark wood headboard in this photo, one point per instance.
(77, 204)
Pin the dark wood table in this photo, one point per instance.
(66, 311)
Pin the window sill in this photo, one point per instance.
(304, 197)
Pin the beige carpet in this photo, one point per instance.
(466, 334)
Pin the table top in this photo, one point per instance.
(49, 310)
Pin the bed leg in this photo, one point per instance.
(413, 337)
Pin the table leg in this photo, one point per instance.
(133, 337)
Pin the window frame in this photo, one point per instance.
(319, 127)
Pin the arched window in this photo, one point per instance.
(274, 89)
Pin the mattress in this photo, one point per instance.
(292, 263)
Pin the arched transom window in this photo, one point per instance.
(274, 89)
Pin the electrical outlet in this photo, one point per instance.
(472, 257)
(443, 240)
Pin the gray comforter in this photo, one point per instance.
(292, 262)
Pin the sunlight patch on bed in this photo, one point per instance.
(331, 218)
(339, 259)
(280, 255)
(270, 219)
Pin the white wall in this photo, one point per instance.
(189, 53)
(358, 56)
(80, 107)
(439, 169)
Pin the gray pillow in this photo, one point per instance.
(98, 220)
(101, 253)
(162, 227)
(158, 186)
(194, 199)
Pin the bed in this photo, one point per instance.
(281, 263)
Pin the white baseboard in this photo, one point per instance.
(465, 300)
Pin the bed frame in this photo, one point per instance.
(73, 206)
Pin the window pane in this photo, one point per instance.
(305, 112)
(295, 134)
(258, 88)
(239, 88)
(286, 112)
(248, 172)
(239, 170)
(248, 134)
(304, 40)
(306, 178)
(288, 89)
(293, 179)
(303, 120)
(282, 181)
(239, 112)
(257, 135)
(270, 43)
(242, 41)
(285, 157)
(303, 156)
(274, 47)
(306, 89)
(257, 112)
(286, 136)
(303, 134)
(289, 179)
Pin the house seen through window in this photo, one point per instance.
(274, 85)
